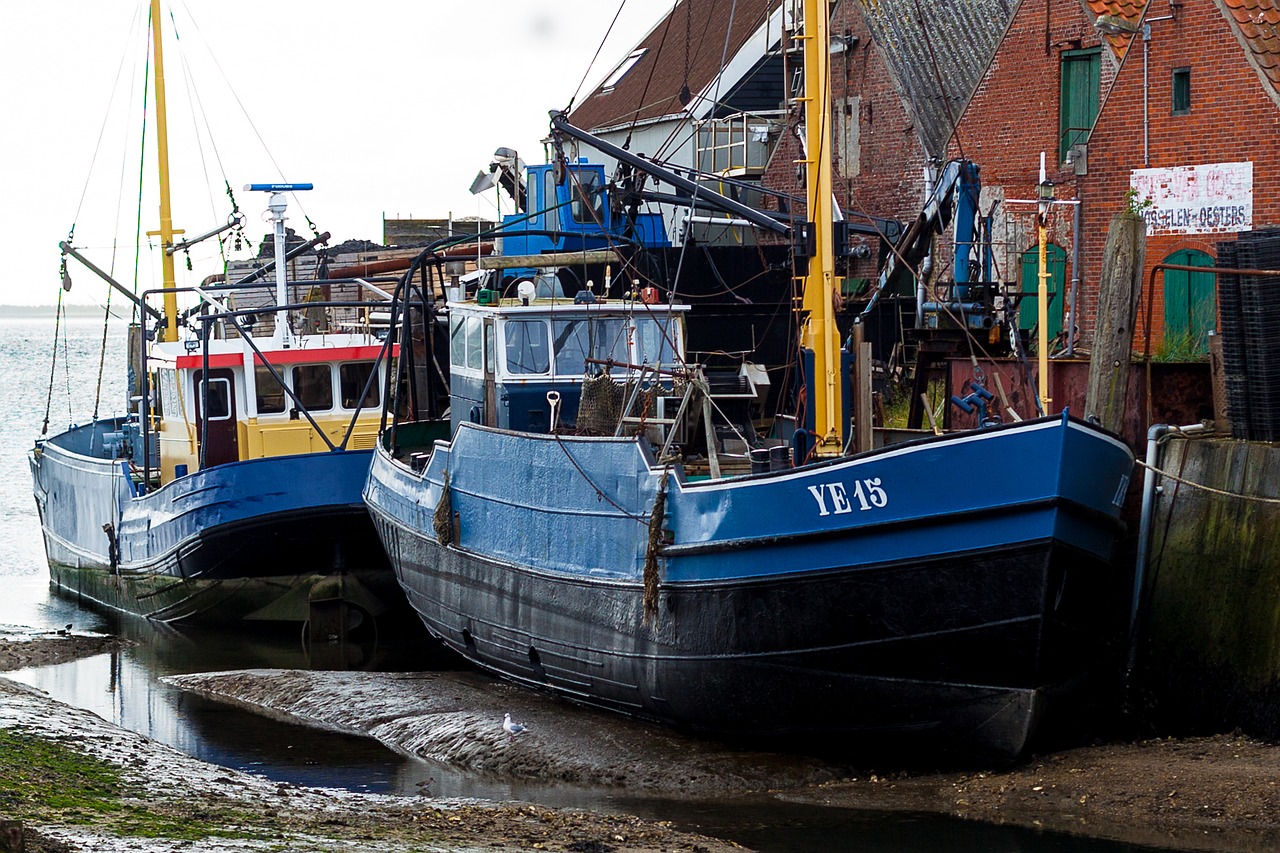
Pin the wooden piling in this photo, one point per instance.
(1118, 289)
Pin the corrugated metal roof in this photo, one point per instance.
(962, 35)
(651, 89)
(1258, 22)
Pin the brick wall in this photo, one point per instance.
(1232, 119)
(1013, 116)
(888, 181)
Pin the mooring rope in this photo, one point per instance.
(1255, 498)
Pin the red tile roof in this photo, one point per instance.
(1258, 22)
(688, 44)
(1128, 11)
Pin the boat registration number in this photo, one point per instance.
(835, 498)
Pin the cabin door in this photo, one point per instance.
(219, 443)
(490, 374)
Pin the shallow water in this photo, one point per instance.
(124, 686)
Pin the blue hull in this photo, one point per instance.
(246, 540)
(885, 593)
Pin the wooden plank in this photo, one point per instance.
(549, 259)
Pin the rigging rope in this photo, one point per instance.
(594, 57)
(1202, 487)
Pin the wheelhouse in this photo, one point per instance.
(521, 366)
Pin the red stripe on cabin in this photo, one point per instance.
(288, 356)
(196, 362)
(297, 356)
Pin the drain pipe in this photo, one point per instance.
(1145, 524)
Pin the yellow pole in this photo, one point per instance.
(166, 231)
(1042, 316)
(820, 285)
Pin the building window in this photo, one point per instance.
(1078, 98)
(621, 71)
(1181, 91)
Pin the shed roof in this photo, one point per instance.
(688, 47)
(925, 42)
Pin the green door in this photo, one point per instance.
(1190, 306)
(1028, 309)
(1078, 97)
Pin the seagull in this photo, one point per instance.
(509, 727)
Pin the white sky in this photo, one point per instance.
(388, 107)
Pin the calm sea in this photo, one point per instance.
(27, 354)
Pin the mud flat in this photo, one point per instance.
(1219, 793)
(70, 781)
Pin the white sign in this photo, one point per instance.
(1215, 198)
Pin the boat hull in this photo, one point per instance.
(954, 627)
(258, 540)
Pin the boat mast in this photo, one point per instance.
(821, 284)
(166, 231)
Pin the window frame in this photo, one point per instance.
(1183, 73)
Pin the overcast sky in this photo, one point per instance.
(387, 106)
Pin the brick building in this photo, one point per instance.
(895, 99)
(1179, 102)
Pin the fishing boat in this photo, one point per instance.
(231, 491)
(598, 526)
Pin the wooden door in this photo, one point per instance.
(217, 433)
(1190, 304)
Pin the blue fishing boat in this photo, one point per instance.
(601, 525)
(232, 489)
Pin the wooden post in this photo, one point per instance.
(1120, 284)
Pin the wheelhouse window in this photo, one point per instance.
(656, 341)
(165, 386)
(270, 396)
(526, 347)
(475, 346)
(353, 377)
(580, 338)
(313, 385)
(588, 201)
(218, 405)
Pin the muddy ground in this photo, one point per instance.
(1217, 793)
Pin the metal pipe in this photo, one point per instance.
(1146, 118)
(70, 250)
(1145, 523)
(1075, 282)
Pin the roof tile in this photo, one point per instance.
(1258, 22)
(1129, 11)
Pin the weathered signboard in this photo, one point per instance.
(1213, 198)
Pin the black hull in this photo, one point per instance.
(967, 654)
(267, 569)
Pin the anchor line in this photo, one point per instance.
(600, 494)
(1191, 483)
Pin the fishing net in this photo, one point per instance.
(442, 521)
(600, 407)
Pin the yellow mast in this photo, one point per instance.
(166, 231)
(820, 284)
